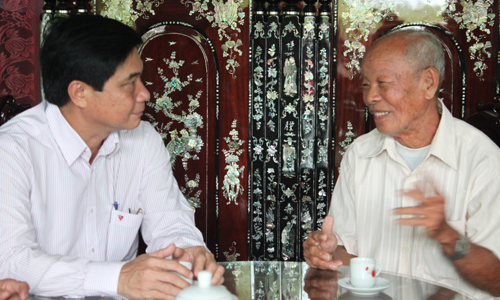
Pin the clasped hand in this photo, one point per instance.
(152, 276)
(320, 246)
(11, 289)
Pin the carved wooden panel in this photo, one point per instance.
(291, 127)
(211, 38)
(180, 73)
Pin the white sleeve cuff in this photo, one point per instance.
(102, 278)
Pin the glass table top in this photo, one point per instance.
(296, 280)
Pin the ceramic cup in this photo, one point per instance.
(189, 266)
(363, 272)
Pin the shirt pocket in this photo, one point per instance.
(455, 210)
(123, 236)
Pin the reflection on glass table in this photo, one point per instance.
(295, 280)
(273, 280)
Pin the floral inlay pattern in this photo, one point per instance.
(323, 85)
(475, 16)
(272, 83)
(227, 16)
(191, 191)
(231, 255)
(257, 205)
(125, 11)
(258, 77)
(231, 184)
(349, 137)
(321, 207)
(361, 17)
(185, 143)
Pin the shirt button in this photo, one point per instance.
(91, 211)
(92, 250)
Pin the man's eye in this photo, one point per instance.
(130, 85)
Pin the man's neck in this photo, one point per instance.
(92, 137)
(416, 141)
(422, 132)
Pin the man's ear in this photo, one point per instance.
(78, 92)
(430, 78)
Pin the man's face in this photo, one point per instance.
(392, 92)
(121, 103)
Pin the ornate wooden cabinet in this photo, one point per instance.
(196, 67)
(258, 100)
(316, 54)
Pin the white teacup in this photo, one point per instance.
(189, 266)
(363, 272)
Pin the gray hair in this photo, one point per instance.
(423, 49)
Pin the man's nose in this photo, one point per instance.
(371, 95)
(143, 93)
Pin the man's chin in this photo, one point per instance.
(387, 131)
(132, 125)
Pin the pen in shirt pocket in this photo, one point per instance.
(139, 211)
(115, 205)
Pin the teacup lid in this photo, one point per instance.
(205, 291)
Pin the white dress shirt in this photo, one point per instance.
(59, 229)
(462, 164)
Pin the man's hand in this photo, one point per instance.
(202, 260)
(11, 289)
(429, 214)
(151, 275)
(320, 246)
(321, 284)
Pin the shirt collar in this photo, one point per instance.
(443, 144)
(385, 142)
(69, 141)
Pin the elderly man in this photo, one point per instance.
(420, 193)
(81, 173)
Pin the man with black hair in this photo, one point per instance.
(80, 174)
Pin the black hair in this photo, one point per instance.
(88, 48)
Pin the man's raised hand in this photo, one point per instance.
(320, 246)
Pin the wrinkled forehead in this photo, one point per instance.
(385, 53)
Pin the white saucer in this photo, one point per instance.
(380, 285)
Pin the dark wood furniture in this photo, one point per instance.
(487, 119)
(9, 108)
